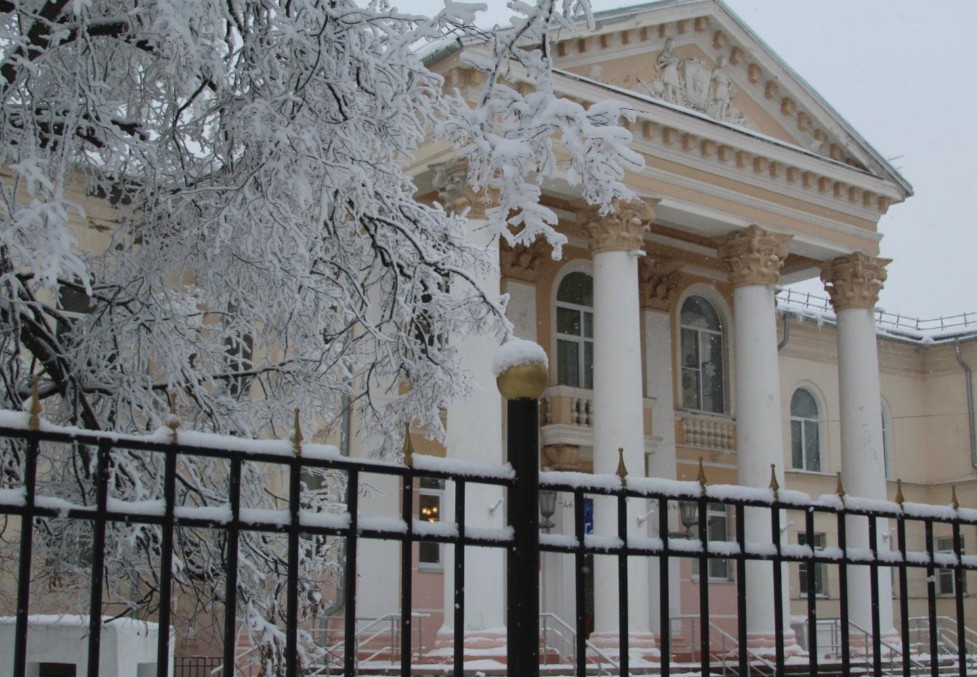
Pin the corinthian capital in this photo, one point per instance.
(854, 281)
(754, 256)
(623, 228)
(454, 192)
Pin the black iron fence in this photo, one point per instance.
(902, 538)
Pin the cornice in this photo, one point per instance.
(775, 208)
(824, 200)
(756, 70)
(720, 147)
(660, 124)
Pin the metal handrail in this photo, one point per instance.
(361, 637)
(821, 306)
(722, 654)
(946, 636)
(892, 648)
(572, 634)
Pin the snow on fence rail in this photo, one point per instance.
(115, 509)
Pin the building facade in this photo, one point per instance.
(667, 338)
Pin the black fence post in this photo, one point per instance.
(521, 386)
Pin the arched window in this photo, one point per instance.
(575, 331)
(805, 431)
(703, 357)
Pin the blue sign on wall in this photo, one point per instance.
(588, 515)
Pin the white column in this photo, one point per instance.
(616, 240)
(755, 258)
(475, 434)
(659, 283)
(853, 283)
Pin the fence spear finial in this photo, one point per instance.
(622, 470)
(774, 484)
(701, 478)
(840, 487)
(35, 410)
(900, 498)
(953, 497)
(297, 436)
(408, 449)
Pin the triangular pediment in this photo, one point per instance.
(697, 57)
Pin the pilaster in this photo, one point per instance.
(659, 281)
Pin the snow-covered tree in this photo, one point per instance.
(260, 245)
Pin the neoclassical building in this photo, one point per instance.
(665, 336)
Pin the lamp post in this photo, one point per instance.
(522, 386)
(689, 515)
(547, 508)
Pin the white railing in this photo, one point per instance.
(709, 432)
(942, 327)
(567, 405)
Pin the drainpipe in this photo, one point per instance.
(340, 601)
(786, 339)
(970, 406)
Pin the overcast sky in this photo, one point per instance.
(902, 73)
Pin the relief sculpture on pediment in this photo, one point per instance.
(692, 83)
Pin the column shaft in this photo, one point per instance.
(854, 283)
(618, 423)
(755, 257)
(616, 240)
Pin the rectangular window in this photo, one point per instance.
(944, 577)
(713, 375)
(820, 568)
(717, 529)
(429, 510)
(568, 362)
(690, 370)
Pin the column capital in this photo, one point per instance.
(623, 228)
(451, 183)
(754, 256)
(658, 280)
(854, 281)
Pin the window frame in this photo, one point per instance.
(435, 492)
(820, 568)
(701, 339)
(805, 421)
(945, 582)
(720, 568)
(585, 376)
